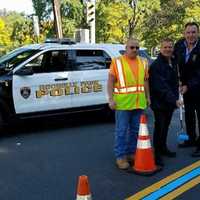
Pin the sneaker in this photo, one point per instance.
(168, 153)
(122, 164)
(187, 143)
(196, 153)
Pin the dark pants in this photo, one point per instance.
(161, 126)
(190, 119)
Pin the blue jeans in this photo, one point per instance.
(126, 131)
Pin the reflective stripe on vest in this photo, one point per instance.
(129, 89)
(120, 73)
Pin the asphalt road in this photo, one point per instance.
(42, 159)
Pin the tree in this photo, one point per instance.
(149, 21)
(43, 9)
(127, 16)
(22, 32)
(167, 21)
(72, 16)
(4, 37)
(112, 21)
(19, 29)
(193, 11)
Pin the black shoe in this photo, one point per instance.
(196, 153)
(168, 153)
(187, 143)
(159, 161)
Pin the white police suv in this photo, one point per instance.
(55, 78)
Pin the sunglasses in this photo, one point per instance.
(134, 47)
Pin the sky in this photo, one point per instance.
(17, 5)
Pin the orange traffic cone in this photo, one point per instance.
(144, 158)
(83, 190)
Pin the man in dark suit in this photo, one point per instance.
(163, 80)
(187, 52)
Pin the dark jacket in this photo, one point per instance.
(163, 82)
(190, 70)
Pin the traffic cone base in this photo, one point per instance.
(85, 197)
(145, 166)
(147, 173)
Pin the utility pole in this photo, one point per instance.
(57, 18)
(36, 27)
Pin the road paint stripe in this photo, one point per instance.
(182, 189)
(159, 184)
(173, 185)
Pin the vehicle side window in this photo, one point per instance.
(142, 53)
(91, 60)
(51, 61)
(122, 52)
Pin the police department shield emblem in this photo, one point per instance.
(25, 92)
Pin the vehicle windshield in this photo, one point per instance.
(9, 61)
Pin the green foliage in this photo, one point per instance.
(16, 31)
(193, 11)
(167, 21)
(4, 37)
(46, 29)
(43, 9)
(21, 33)
(72, 16)
(112, 21)
(148, 20)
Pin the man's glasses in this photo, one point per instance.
(134, 47)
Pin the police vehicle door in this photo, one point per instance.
(90, 73)
(43, 83)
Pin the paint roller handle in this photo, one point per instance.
(181, 112)
(181, 109)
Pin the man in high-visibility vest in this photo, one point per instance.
(128, 94)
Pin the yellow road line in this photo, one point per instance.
(163, 182)
(182, 189)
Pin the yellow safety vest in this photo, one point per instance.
(129, 91)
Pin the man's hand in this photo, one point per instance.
(148, 101)
(184, 89)
(179, 103)
(112, 104)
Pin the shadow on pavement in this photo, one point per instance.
(46, 124)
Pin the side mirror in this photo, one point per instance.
(24, 71)
(108, 59)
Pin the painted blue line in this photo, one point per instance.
(173, 185)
